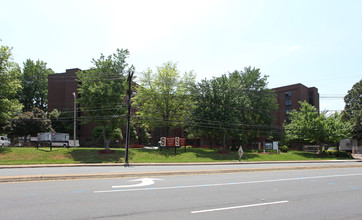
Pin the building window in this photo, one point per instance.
(288, 105)
(288, 100)
(311, 98)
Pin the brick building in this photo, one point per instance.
(61, 87)
(288, 98)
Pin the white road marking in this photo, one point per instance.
(226, 184)
(144, 182)
(239, 207)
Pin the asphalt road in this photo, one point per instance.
(157, 168)
(301, 194)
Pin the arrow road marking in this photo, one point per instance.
(223, 184)
(144, 182)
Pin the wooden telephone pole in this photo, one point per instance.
(129, 93)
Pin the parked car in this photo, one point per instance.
(4, 141)
(332, 149)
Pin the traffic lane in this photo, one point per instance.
(67, 186)
(78, 198)
(314, 198)
(121, 169)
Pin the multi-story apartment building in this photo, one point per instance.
(288, 98)
(61, 87)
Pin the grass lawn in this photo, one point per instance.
(23, 155)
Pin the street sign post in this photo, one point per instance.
(177, 141)
(276, 146)
(174, 142)
(163, 141)
(240, 152)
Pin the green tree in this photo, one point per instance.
(353, 109)
(336, 129)
(237, 106)
(205, 116)
(102, 91)
(309, 127)
(163, 98)
(306, 125)
(255, 102)
(34, 81)
(31, 123)
(62, 122)
(9, 86)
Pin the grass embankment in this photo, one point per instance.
(19, 155)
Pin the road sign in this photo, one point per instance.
(275, 146)
(170, 141)
(163, 141)
(177, 141)
(268, 146)
(183, 142)
(241, 152)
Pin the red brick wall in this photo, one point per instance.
(299, 92)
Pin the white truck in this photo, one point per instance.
(54, 140)
(345, 145)
(4, 141)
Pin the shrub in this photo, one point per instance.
(136, 145)
(330, 152)
(233, 148)
(283, 149)
(343, 154)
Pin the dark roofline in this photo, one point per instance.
(297, 84)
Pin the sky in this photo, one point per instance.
(313, 42)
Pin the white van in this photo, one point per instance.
(4, 141)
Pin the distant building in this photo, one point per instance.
(61, 87)
(60, 90)
(288, 98)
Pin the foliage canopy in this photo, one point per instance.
(31, 123)
(102, 91)
(34, 81)
(309, 127)
(163, 98)
(236, 106)
(9, 86)
(353, 109)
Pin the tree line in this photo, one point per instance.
(235, 106)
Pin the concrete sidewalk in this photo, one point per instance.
(173, 164)
(168, 169)
(357, 156)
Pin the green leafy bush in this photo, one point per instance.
(284, 149)
(332, 152)
(233, 148)
(343, 154)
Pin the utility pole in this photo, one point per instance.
(129, 93)
(75, 118)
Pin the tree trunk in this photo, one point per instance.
(223, 142)
(167, 131)
(105, 139)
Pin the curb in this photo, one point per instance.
(171, 164)
(36, 178)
